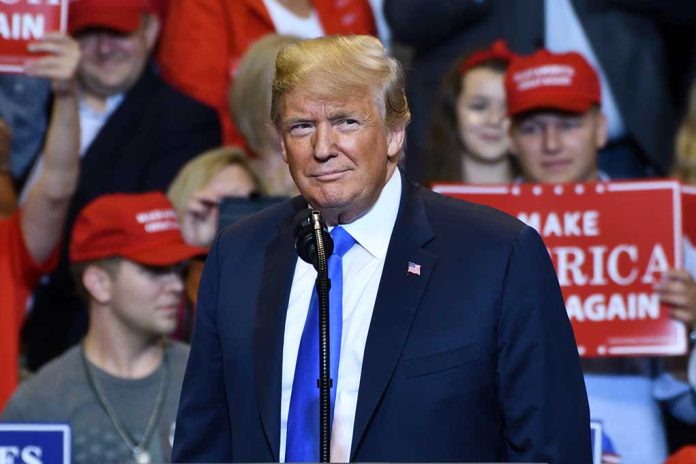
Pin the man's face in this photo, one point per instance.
(146, 299)
(112, 62)
(339, 151)
(558, 147)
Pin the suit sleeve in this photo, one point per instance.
(202, 427)
(540, 382)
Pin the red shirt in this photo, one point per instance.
(18, 276)
(203, 41)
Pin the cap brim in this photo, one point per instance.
(578, 105)
(120, 20)
(165, 255)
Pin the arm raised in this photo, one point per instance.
(43, 213)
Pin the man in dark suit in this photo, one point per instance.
(136, 132)
(454, 342)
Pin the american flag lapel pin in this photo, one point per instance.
(413, 268)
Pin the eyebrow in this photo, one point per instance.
(337, 116)
(297, 120)
(341, 114)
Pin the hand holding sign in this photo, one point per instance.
(23, 21)
(59, 64)
(677, 289)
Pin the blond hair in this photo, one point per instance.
(249, 98)
(200, 170)
(685, 166)
(339, 67)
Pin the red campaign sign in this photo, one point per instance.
(609, 243)
(22, 22)
(689, 212)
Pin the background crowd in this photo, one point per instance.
(125, 133)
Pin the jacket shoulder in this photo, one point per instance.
(463, 218)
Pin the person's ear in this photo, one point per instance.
(151, 26)
(395, 141)
(601, 134)
(98, 282)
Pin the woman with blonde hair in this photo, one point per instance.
(250, 105)
(198, 187)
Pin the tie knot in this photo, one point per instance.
(343, 241)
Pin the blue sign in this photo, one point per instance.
(25, 443)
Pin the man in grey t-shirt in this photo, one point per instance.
(119, 390)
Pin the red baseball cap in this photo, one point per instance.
(497, 51)
(562, 81)
(118, 15)
(141, 227)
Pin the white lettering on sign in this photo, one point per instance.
(617, 265)
(566, 224)
(8, 454)
(656, 266)
(32, 455)
(21, 26)
(617, 307)
(27, 455)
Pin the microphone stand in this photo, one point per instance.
(324, 383)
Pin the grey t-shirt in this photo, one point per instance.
(60, 392)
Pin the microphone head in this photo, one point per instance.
(305, 243)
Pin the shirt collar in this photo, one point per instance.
(373, 229)
(112, 103)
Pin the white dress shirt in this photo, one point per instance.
(362, 271)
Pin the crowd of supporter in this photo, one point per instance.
(140, 98)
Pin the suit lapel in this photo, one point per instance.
(276, 282)
(397, 301)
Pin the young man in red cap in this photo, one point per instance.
(136, 133)
(119, 390)
(29, 236)
(556, 130)
(557, 126)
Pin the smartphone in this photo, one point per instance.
(232, 209)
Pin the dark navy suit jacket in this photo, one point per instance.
(472, 360)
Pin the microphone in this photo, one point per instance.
(308, 241)
(314, 245)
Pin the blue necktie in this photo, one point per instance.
(302, 444)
